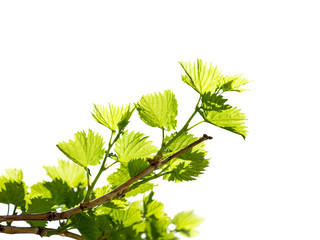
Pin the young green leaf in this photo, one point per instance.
(159, 110)
(69, 172)
(122, 175)
(188, 165)
(204, 78)
(12, 189)
(201, 77)
(186, 222)
(158, 228)
(215, 111)
(85, 149)
(128, 217)
(136, 166)
(145, 187)
(119, 177)
(113, 117)
(133, 145)
(87, 226)
(152, 207)
(232, 83)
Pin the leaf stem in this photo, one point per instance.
(195, 125)
(163, 143)
(182, 130)
(102, 167)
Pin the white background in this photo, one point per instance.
(59, 57)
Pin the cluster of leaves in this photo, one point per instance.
(132, 153)
(136, 220)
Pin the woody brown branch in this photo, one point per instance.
(43, 232)
(118, 191)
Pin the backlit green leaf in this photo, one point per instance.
(186, 222)
(159, 110)
(127, 217)
(87, 226)
(68, 172)
(113, 117)
(119, 177)
(12, 189)
(133, 145)
(86, 149)
(207, 78)
(135, 166)
(232, 83)
(152, 207)
(188, 165)
(140, 189)
(201, 77)
(215, 111)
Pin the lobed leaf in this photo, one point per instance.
(232, 83)
(87, 226)
(201, 77)
(186, 222)
(188, 165)
(145, 187)
(13, 189)
(86, 149)
(127, 217)
(135, 166)
(113, 117)
(69, 172)
(119, 177)
(133, 145)
(207, 78)
(215, 111)
(159, 110)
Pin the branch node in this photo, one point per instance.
(84, 205)
(42, 232)
(122, 193)
(52, 216)
(206, 136)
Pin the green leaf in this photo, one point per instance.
(135, 166)
(133, 145)
(201, 77)
(127, 217)
(188, 165)
(140, 189)
(159, 110)
(39, 205)
(232, 83)
(58, 190)
(215, 111)
(157, 229)
(152, 207)
(87, 226)
(12, 189)
(85, 149)
(117, 204)
(98, 192)
(181, 170)
(119, 177)
(113, 117)
(69, 172)
(207, 78)
(14, 193)
(186, 222)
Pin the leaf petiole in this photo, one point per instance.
(103, 168)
